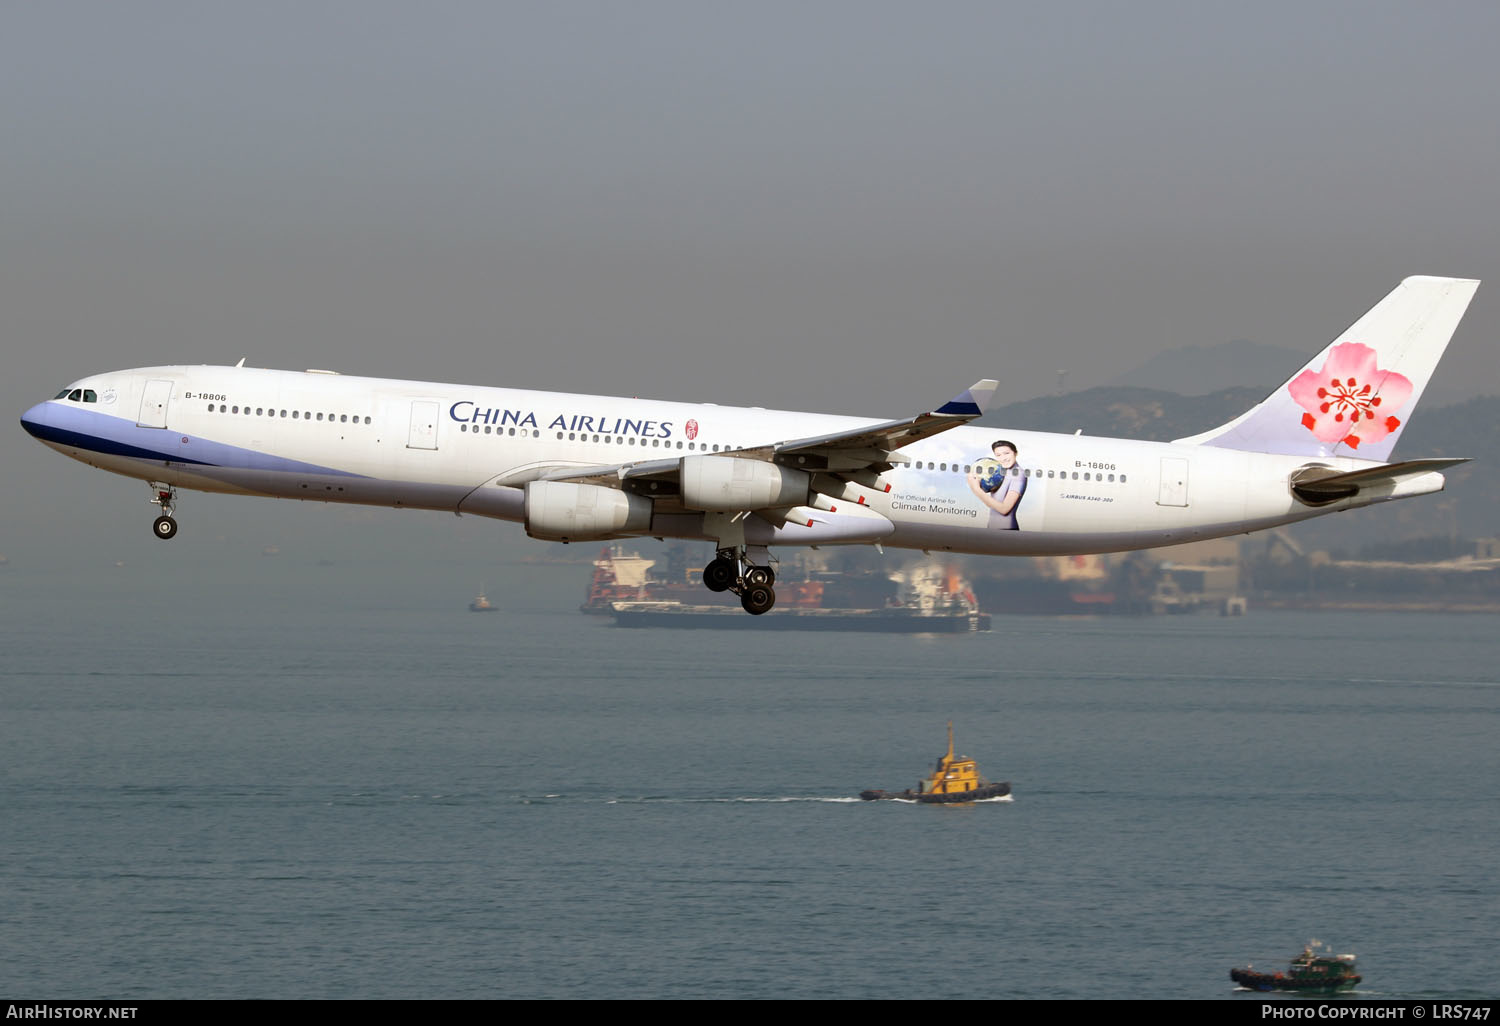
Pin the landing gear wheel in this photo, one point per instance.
(164, 528)
(719, 575)
(757, 599)
(760, 575)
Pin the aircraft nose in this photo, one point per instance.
(34, 420)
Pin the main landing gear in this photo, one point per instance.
(728, 571)
(164, 527)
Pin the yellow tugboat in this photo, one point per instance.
(1314, 971)
(954, 779)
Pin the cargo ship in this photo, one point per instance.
(625, 576)
(1049, 586)
(892, 620)
(926, 599)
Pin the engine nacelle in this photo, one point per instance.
(727, 484)
(563, 511)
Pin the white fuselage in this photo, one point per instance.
(472, 449)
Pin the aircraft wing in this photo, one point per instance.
(872, 448)
(893, 434)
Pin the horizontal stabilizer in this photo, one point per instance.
(1319, 485)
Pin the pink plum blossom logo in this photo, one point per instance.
(1350, 399)
(692, 429)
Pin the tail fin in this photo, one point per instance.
(1354, 398)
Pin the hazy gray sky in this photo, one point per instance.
(858, 207)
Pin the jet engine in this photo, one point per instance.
(563, 511)
(727, 484)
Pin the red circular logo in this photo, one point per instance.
(692, 429)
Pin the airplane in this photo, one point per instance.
(589, 468)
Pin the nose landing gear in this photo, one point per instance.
(164, 526)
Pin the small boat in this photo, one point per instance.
(954, 779)
(1312, 972)
(481, 604)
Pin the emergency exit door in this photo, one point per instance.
(154, 404)
(424, 421)
(1174, 482)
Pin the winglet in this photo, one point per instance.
(971, 402)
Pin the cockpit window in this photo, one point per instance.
(61, 395)
(90, 396)
(76, 395)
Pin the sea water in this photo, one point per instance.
(312, 784)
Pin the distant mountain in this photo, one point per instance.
(1199, 370)
(1127, 412)
(1195, 370)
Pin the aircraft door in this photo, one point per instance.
(154, 404)
(424, 421)
(1174, 482)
